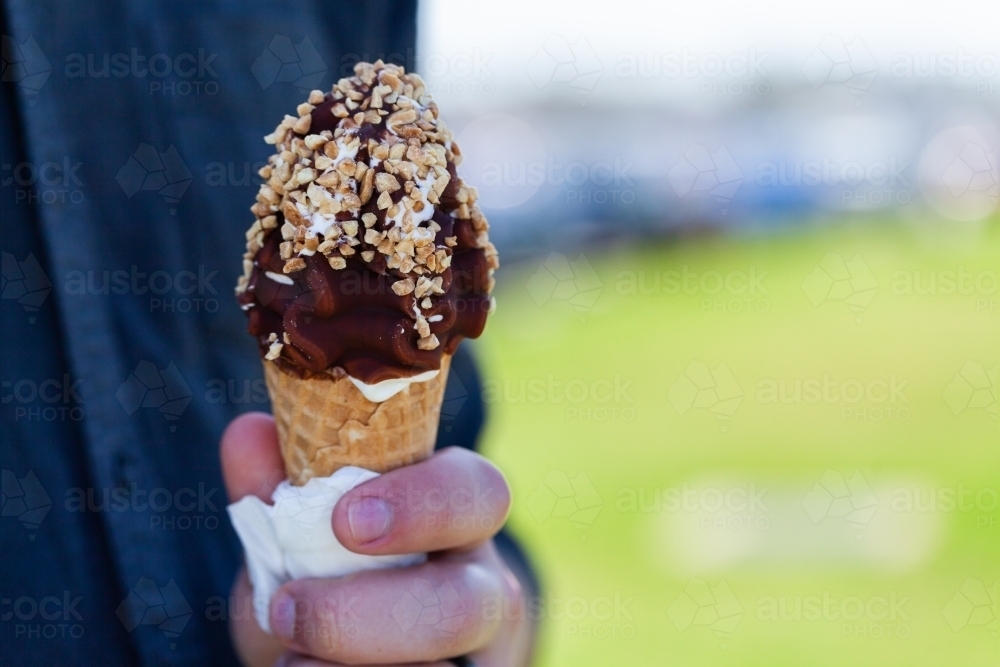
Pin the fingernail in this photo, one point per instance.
(283, 615)
(369, 519)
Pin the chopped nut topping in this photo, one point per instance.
(397, 151)
(312, 179)
(294, 264)
(347, 168)
(386, 183)
(423, 328)
(428, 343)
(330, 179)
(314, 141)
(274, 351)
(400, 118)
(402, 287)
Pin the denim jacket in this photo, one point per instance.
(132, 133)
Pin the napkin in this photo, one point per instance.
(292, 538)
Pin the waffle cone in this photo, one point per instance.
(325, 424)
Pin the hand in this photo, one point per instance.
(449, 506)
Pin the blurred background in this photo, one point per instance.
(743, 374)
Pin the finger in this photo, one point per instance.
(252, 644)
(423, 613)
(454, 499)
(251, 457)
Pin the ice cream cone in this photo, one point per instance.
(325, 424)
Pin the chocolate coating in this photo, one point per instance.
(350, 318)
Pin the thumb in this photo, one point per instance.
(251, 457)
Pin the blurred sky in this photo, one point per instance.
(782, 32)
(717, 113)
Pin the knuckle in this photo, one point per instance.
(477, 587)
(497, 496)
(322, 626)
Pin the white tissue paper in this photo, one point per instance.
(293, 537)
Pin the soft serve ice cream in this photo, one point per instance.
(368, 257)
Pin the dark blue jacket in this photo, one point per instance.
(132, 132)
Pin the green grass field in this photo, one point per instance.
(802, 473)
